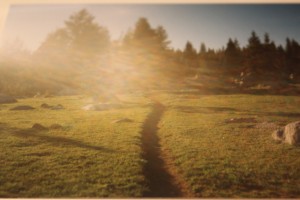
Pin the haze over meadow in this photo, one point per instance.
(85, 48)
(150, 101)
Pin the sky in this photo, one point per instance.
(212, 24)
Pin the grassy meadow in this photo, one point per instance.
(219, 158)
(134, 113)
(92, 156)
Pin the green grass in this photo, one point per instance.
(89, 157)
(93, 157)
(219, 159)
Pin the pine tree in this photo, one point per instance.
(146, 38)
(189, 52)
(232, 60)
(232, 53)
(292, 57)
(253, 57)
(143, 30)
(80, 40)
(271, 59)
(202, 50)
(269, 51)
(85, 35)
(190, 55)
(161, 38)
(147, 50)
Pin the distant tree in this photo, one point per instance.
(190, 55)
(268, 54)
(232, 53)
(292, 57)
(202, 50)
(85, 35)
(202, 55)
(126, 40)
(266, 62)
(145, 38)
(280, 62)
(76, 54)
(161, 38)
(253, 54)
(81, 39)
(267, 39)
(189, 52)
(211, 54)
(55, 48)
(148, 51)
(252, 71)
(143, 30)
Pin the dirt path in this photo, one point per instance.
(163, 180)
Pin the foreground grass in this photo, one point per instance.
(89, 157)
(220, 159)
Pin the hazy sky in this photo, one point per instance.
(211, 24)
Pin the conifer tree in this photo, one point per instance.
(81, 38)
(253, 54)
(202, 50)
(232, 53)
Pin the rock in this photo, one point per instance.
(57, 107)
(278, 135)
(101, 106)
(44, 105)
(55, 126)
(122, 120)
(241, 120)
(37, 95)
(289, 134)
(7, 99)
(88, 107)
(22, 108)
(40, 127)
(292, 133)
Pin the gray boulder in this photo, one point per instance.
(39, 127)
(292, 133)
(101, 106)
(57, 107)
(44, 105)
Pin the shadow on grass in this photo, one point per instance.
(272, 114)
(288, 91)
(5, 128)
(211, 110)
(282, 114)
(55, 140)
(204, 110)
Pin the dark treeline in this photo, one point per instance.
(81, 57)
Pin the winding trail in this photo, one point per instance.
(161, 176)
